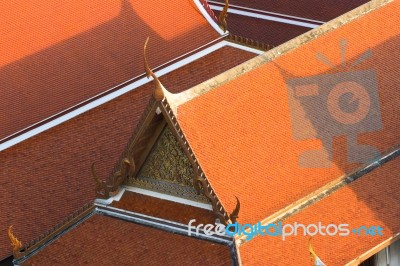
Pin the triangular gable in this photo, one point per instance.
(158, 122)
(163, 166)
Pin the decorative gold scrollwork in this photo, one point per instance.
(168, 162)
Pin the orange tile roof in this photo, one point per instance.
(241, 131)
(50, 172)
(371, 200)
(57, 54)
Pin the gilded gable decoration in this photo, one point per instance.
(168, 161)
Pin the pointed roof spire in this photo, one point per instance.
(158, 93)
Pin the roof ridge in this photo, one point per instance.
(90, 103)
(208, 9)
(181, 98)
(248, 42)
(326, 190)
(32, 247)
(201, 183)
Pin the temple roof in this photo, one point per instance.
(105, 240)
(251, 133)
(56, 55)
(371, 200)
(59, 159)
(248, 132)
(312, 9)
(165, 209)
(280, 21)
(246, 118)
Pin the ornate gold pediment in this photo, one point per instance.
(168, 162)
(167, 169)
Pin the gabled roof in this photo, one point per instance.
(241, 130)
(51, 171)
(369, 201)
(56, 55)
(280, 21)
(111, 236)
(249, 132)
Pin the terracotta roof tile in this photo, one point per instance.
(371, 200)
(48, 176)
(268, 32)
(55, 55)
(311, 9)
(130, 244)
(241, 131)
(164, 209)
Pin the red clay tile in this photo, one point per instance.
(311, 9)
(102, 240)
(268, 32)
(47, 177)
(164, 209)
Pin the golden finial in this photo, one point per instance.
(158, 92)
(235, 213)
(314, 258)
(222, 17)
(15, 243)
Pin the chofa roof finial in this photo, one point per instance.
(15, 243)
(235, 213)
(222, 17)
(158, 93)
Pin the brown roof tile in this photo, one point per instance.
(269, 32)
(102, 240)
(48, 176)
(311, 9)
(55, 55)
(164, 209)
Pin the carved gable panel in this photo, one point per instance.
(168, 170)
